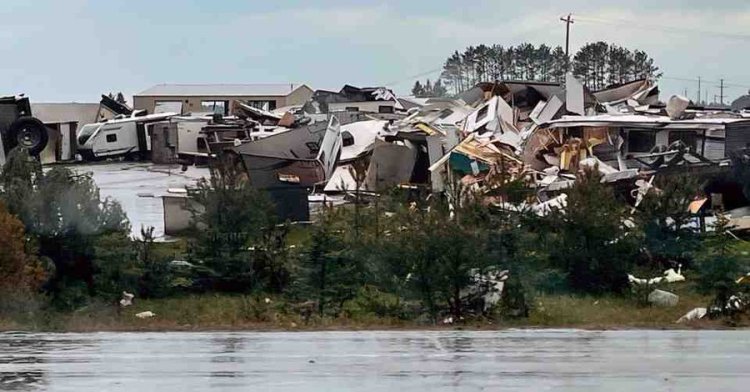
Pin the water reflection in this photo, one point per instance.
(226, 350)
(21, 381)
(373, 361)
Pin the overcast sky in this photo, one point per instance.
(74, 50)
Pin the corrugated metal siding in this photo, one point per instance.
(738, 137)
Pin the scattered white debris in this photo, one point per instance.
(670, 276)
(127, 299)
(267, 300)
(145, 315)
(695, 314)
(181, 263)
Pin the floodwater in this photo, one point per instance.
(137, 186)
(527, 360)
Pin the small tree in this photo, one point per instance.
(64, 215)
(155, 282)
(434, 256)
(328, 274)
(664, 218)
(229, 218)
(417, 90)
(18, 270)
(591, 242)
(121, 98)
(718, 267)
(438, 89)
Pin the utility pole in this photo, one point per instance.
(568, 21)
(721, 91)
(698, 102)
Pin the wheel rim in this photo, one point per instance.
(28, 138)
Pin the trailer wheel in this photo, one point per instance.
(29, 133)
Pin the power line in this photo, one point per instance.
(671, 29)
(700, 80)
(544, 26)
(410, 78)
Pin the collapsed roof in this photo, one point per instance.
(322, 98)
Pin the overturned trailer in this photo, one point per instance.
(121, 136)
(288, 164)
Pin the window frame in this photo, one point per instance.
(214, 102)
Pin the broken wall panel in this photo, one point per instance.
(435, 151)
(391, 164)
(574, 95)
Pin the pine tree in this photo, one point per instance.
(438, 90)
(121, 98)
(719, 267)
(328, 274)
(229, 217)
(417, 90)
(591, 244)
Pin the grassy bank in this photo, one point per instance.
(223, 312)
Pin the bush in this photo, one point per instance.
(591, 244)
(327, 273)
(718, 268)
(18, 270)
(371, 301)
(65, 217)
(232, 218)
(664, 219)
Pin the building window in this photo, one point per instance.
(689, 138)
(482, 113)
(445, 113)
(111, 138)
(263, 104)
(352, 109)
(347, 139)
(385, 109)
(168, 107)
(216, 107)
(641, 141)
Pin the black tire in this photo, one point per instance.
(28, 133)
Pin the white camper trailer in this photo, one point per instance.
(121, 136)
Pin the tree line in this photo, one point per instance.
(597, 64)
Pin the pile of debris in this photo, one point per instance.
(536, 133)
